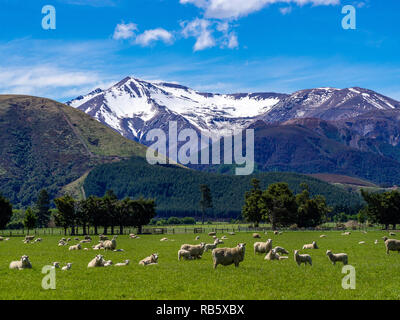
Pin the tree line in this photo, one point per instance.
(279, 206)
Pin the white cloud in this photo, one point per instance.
(200, 29)
(234, 9)
(149, 36)
(285, 10)
(125, 31)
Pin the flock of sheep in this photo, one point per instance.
(220, 256)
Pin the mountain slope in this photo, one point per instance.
(45, 144)
(133, 107)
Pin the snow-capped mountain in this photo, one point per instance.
(329, 104)
(133, 107)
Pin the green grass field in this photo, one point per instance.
(378, 275)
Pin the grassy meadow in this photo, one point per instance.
(378, 275)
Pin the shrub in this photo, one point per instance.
(174, 221)
(188, 220)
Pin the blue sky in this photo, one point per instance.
(210, 45)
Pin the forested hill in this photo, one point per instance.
(46, 144)
(177, 190)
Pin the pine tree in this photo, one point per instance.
(42, 209)
(206, 200)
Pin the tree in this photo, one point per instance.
(65, 216)
(278, 205)
(252, 212)
(42, 208)
(30, 219)
(310, 212)
(5, 212)
(93, 209)
(110, 206)
(206, 200)
(123, 210)
(142, 211)
(383, 208)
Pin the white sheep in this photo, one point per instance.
(56, 265)
(256, 236)
(228, 256)
(376, 241)
(392, 234)
(302, 258)
(263, 247)
(361, 242)
(98, 261)
(102, 237)
(29, 238)
(196, 251)
(151, 260)
(123, 264)
(273, 255)
(38, 240)
(322, 236)
(75, 247)
(339, 257)
(197, 238)
(24, 263)
(211, 246)
(67, 267)
(281, 250)
(392, 245)
(110, 244)
(98, 246)
(346, 233)
(184, 254)
(311, 246)
(108, 263)
(164, 239)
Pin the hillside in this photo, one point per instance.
(46, 144)
(177, 190)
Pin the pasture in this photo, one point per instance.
(378, 274)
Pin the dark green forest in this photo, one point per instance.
(177, 190)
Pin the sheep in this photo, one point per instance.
(212, 234)
(346, 233)
(107, 263)
(151, 260)
(88, 238)
(228, 256)
(133, 236)
(86, 249)
(110, 244)
(98, 246)
(69, 239)
(85, 241)
(24, 263)
(61, 243)
(322, 236)
(273, 255)
(376, 241)
(38, 240)
(392, 245)
(256, 236)
(196, 251)
(1, 238)
(339, 257)
(98, 261)
(281, 250)
(184, 254)
(211, 246)
(224, 238)
(67, 267)
(119, 250)
(263, 247)
(361, 242)
(392, 234)
(385, 238)
(123, 264)
(75, 247)
(311, 246)
(231, 233)
(56, 265)
(30, 238)
(164, 239)
(26, 241)
(197, 238)
(302, 258)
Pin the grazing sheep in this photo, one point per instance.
(211, 246)
(123, 264)
(29, 238)
(98, 246)
(24, 263)
(392, 245)
(273, 255)
(212, 234)
(98, 261)
(110, 244)
(263, 247)
(184, 254)
(281, 250)
(228, 256)
(151, 260)
(256, 236)
(311, 246)
(75, 247)
(108, 263)
(196, 251)
(322, 236)
(339, 257)
(346, 233)
(302, 258)
(67, 267)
